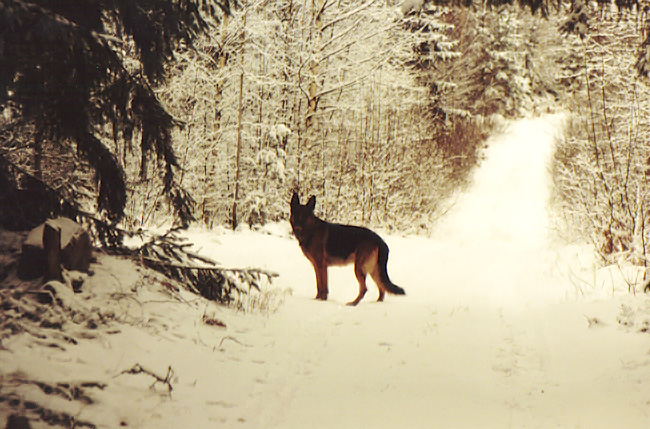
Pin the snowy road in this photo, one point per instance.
(500, 328)
(412, 366)
(437, 357)
(493, 332)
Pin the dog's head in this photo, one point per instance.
(302, 216)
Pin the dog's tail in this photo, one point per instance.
(382, 261)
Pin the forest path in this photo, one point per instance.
(500, 328)
(406, 365)
(492, 332)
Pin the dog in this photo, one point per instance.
(330, 244)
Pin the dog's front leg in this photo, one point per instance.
(321, 281)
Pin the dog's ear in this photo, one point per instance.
(295, 200)
(311, 203)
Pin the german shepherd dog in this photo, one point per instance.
(325, 244)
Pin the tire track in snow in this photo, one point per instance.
(291, 360)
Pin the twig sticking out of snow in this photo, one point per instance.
(138, 369)
(593, 321)
(228, 337)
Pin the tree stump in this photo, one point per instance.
(39, 257)
(52, 249)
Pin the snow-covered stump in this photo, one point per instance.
(52, 251)
(55, 243)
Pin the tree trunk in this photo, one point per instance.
(237, 158)
(314, 67)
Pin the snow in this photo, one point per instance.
(411, 6)
(67, 227)
(501, 327)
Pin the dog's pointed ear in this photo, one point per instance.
(295, 200)
(311, 203)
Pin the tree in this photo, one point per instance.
(326, 89)
(601, 165)
(78, 99)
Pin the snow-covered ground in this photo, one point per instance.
(501, 327)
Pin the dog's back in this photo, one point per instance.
(343, 241)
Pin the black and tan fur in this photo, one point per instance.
(330, 244)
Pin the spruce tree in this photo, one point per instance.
(78, 99)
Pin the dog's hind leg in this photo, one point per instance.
(361, 277)
(377, 279)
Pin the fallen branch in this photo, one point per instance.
(169, 255)
(269, 274)
(138, 369)
(152, 261)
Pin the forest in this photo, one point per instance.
(149, 274)
(213, 112)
